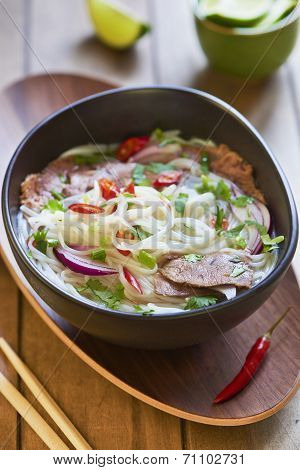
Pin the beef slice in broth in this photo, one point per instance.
(212, 270)
(65, 176)
(163, 286)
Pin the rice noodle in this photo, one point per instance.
(152, 211)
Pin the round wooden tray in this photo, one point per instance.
(182, 382)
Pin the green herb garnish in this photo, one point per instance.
(156, 167)
(57, 195)
(219, 219)
(41, 242)
(194, 303)
(146, 259)
(89, 159)
(140, 233)
(237, 271)
(242, 201)
(221, 190)
(138, 176)
(180, 202)
(62, 178)
(193, 258)
(111, 298)
(204, 165)
(269, 243)
(143, 311)
(98, 255)
(54, 205)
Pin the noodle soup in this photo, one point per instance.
(155, 224)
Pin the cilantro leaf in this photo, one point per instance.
(204, 164)
(237, 271)
(269, 243)
(141, 233)
(220, 218)
(200, 302)
(206, 186)
(111, 298)
(261, 228)
(193, 258)
(180, 203)
(222, 191)
(156, 167)
(54, 205)
(234, 237)
(242, 201)
(143, 311)
(41, 243)
(138, 176)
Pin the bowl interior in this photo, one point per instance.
(113, 116)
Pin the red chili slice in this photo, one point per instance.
(124, 252)
(167, 178)
(132, 280)
(130, 189)
(131, 146)
(85, 209)
(127, 235)
(108, 188)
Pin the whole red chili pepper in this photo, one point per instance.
(252, 363)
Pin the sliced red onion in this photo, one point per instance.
(82, 266)
(154, 153)
(259, 213)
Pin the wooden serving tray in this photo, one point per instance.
(182, 382)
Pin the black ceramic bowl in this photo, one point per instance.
(110, 117)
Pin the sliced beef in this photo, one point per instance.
(231, 165)
(64, 176)
(164, 286)
(211, 270)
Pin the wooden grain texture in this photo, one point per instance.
(12, 68)
(75, 48)
(9, 329)
(107, 417)
(171, 54)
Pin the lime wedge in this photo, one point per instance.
(115, 26)
(235, 12)
(279, 10)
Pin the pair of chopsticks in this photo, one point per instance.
(29, 414)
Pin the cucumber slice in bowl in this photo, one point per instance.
(235, 13)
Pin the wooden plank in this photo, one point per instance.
(62, 39)
(269, 106)
(11, 44)
(11, 68)
(106, 416)
(281, 431)
(9, 330)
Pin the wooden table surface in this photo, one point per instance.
(39, 37)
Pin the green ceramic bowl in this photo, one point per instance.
(247, 52)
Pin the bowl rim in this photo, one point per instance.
(279, 269)
(247, 31)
